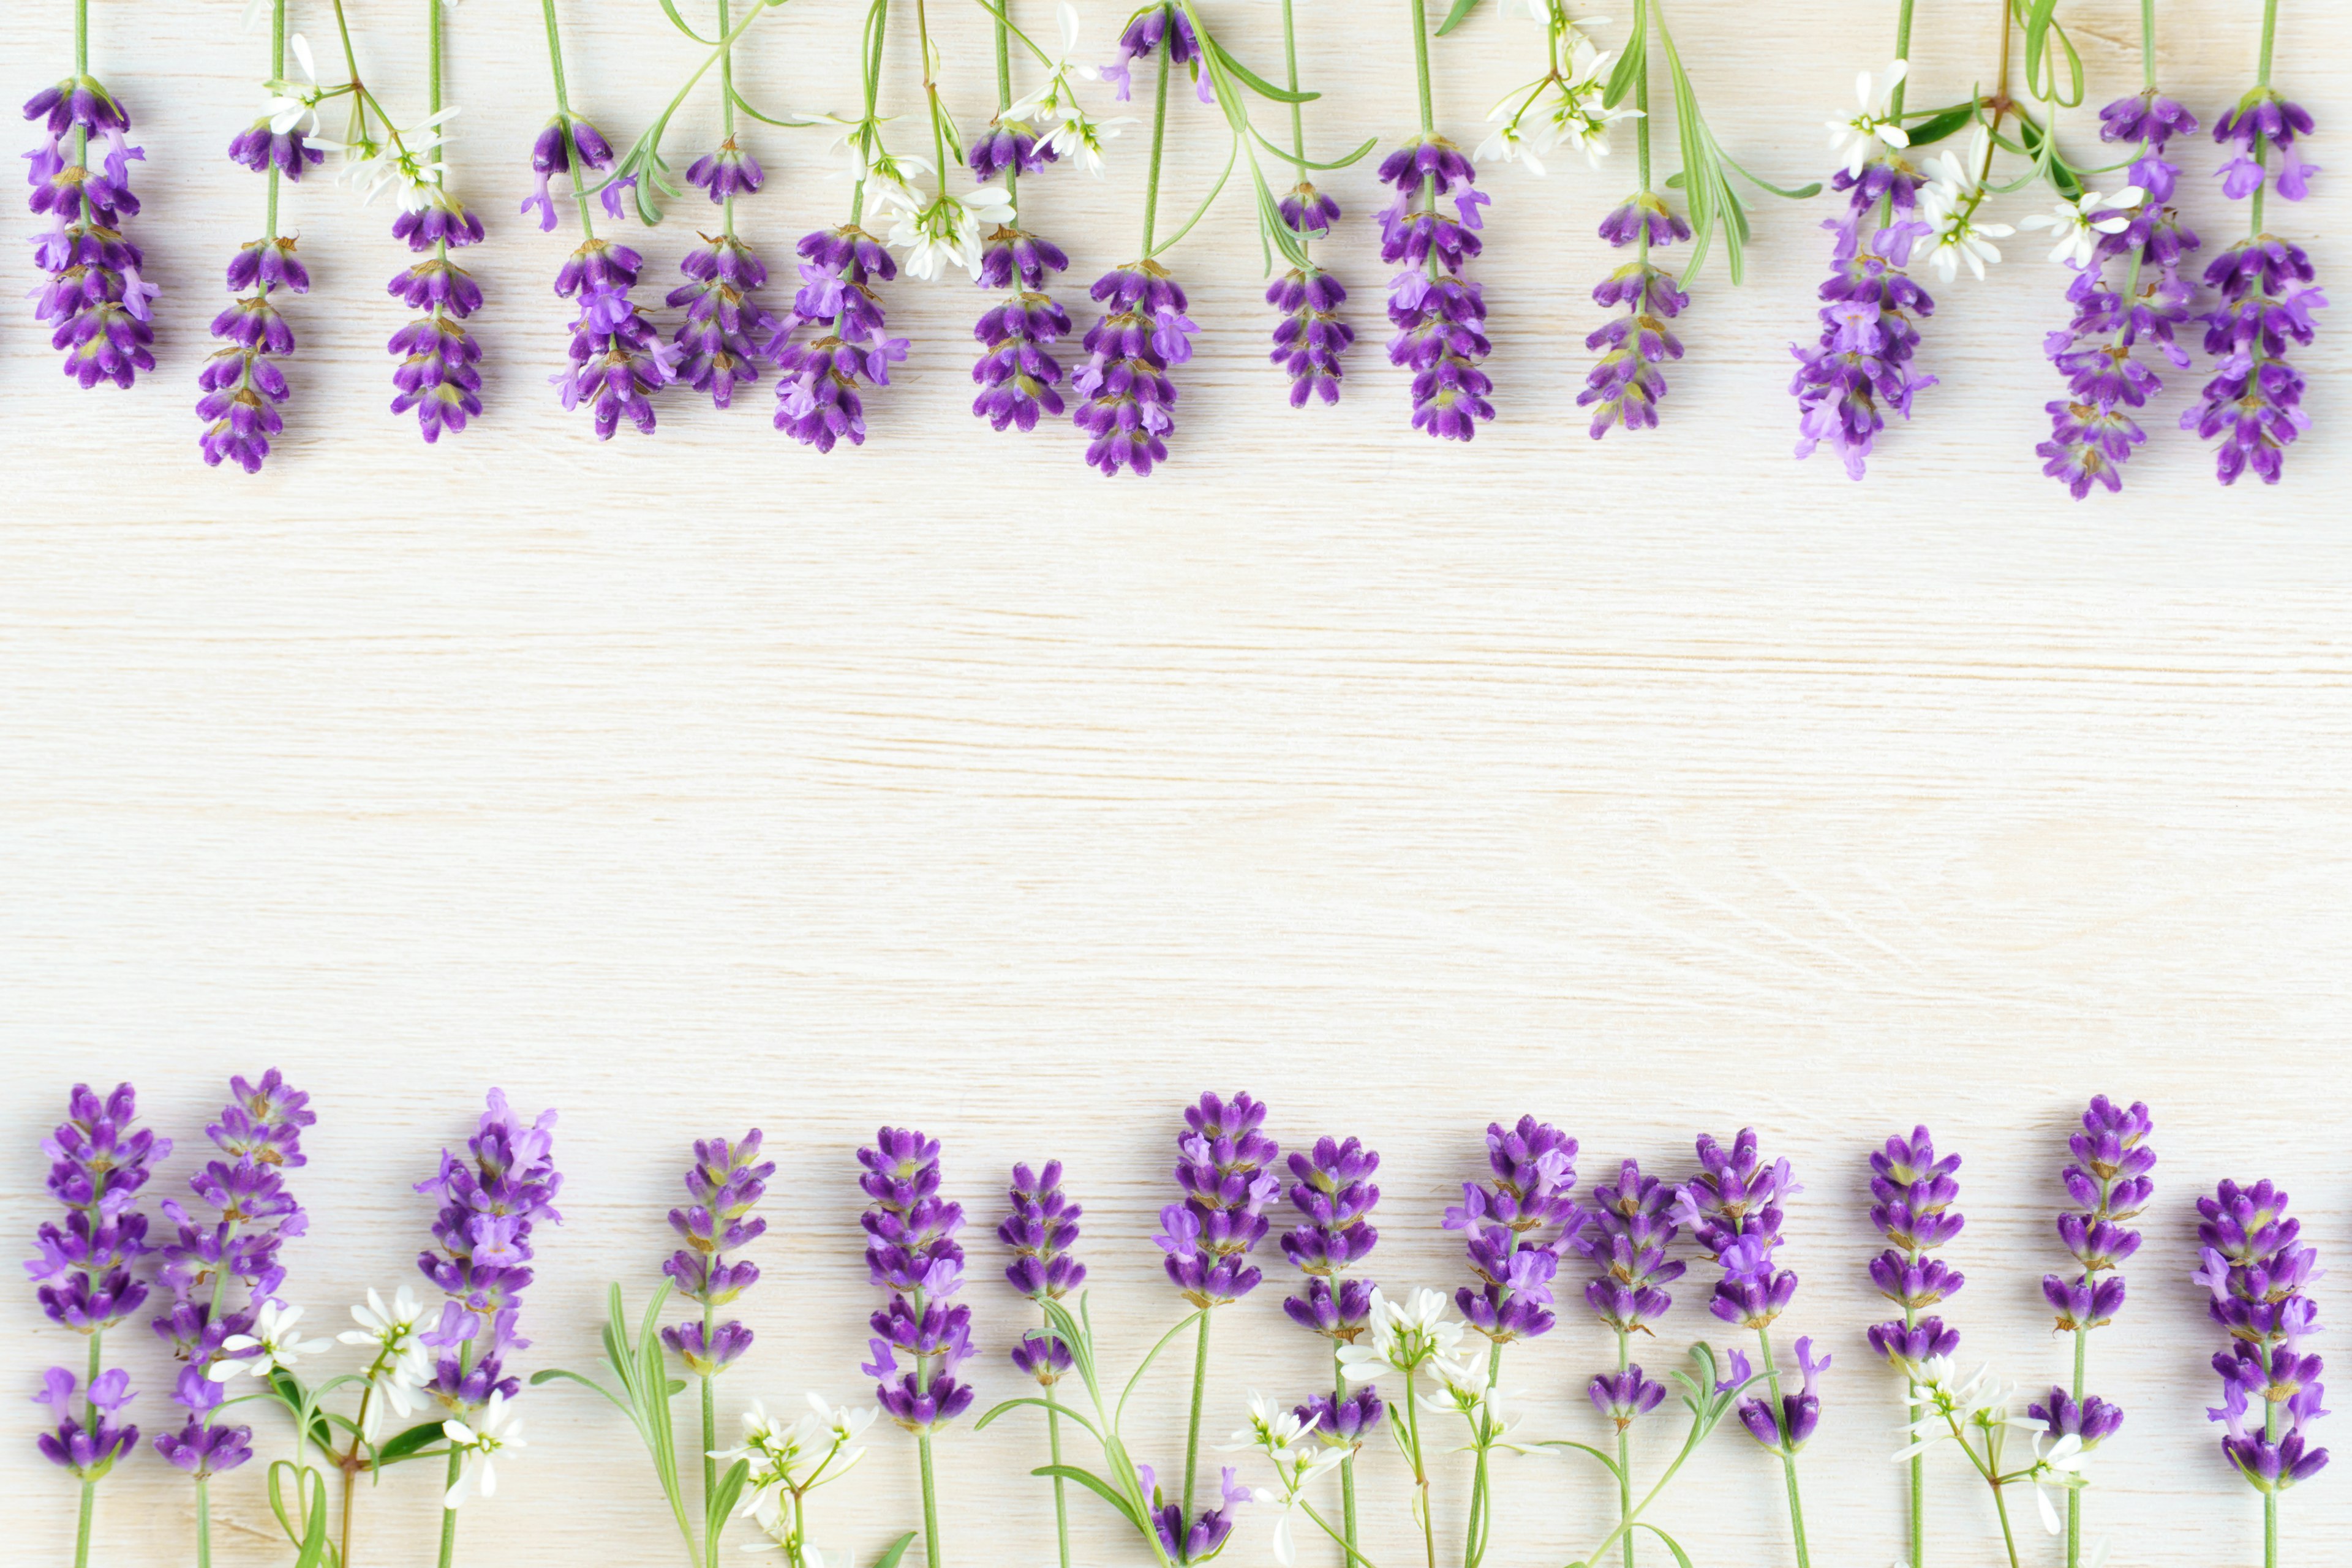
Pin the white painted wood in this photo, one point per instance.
(699, 782)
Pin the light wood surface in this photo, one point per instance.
(1654, 786)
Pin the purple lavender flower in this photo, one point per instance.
(1439, 316)
(1861, 367)
(2256, 1267)
(489, 1202)
(1343, 1421)
(1143, 34)
(2109, 1182)
(725, 1183)
(436, 375)
(2091, 429)
(617, 364)
(1733, 1205)
(566, 138)
(98, 1159)
(1310, 337)
(1333, 1194)
(1509, 1223)
(1204, 1537)
(1624, 386)
(261, 147)
(2255, 401)
(245, 1215)
(911, 1252)
(1127, 401)
(1631, 1227)
(816, 383)
(1224, 1167)
(1038, 1231)
(1785, 1429)
(243, 388)
(2262, 122)
(1017, 374)
(724, 318)
(730, 171)
(1912, 1193)
(1007, 146)
(95, 303)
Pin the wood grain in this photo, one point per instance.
(1653, 786)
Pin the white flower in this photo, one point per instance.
(795, 1455)
(1507, 144)
(2059, 1467)
(1946, 1409)
(409, 167)
(947, 229)
(1278, 1432)
(1948, 203)
(1404, 1334)
(1051, 108)
(492, 1430)
(270, 1344)
(1565, 110)
(292, 104)
(401, 1368)
(1859, 136)
(2077, 225)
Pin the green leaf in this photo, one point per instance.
(690, 32)
(722, 1501)
(1058, 1409)
(1635, 61)
(1250, 79)
(1607, 1463)
(744, 104)
(896, 1549)
(407, 1445)
(1290, 157)
(552, 1373)
(1096, 1485)
(1455, 17)
(1942, 123)
(1182, 1323)
(1682, 1558)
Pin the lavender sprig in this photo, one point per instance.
(490, 1199)
(725, 1181)
(2255, 401)
(1733, 1205)
(1912, 1193)
(438, 373)
(2253, 1262)
(1631, 1228)
(1333, 1192)
(1514, 1228)
(911, 1252)
(1310, 337)
(95, 301)
(1439, 316)
(2108, 1180)
(726, 323)
(1038, 1231)
(242, 386)
(98, 1159)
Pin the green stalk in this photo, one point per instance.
(1150, 213)
(563, 108)
(1053, 1406)
(1421, 67)
(1201, 1353)
(1894, 113)
(89, 1423)
(1642, 135)
(713, 1527)
(457, 1459)
(276, 70)
(1474, 1543)
(2270, 1500)
(2073, 1496)
(727, 218)
(1003, 28)
(1625, 1456)
(1419, 1471)
(1787, 1456)
(81, 68)
(930, 1502)
(2262, 82)
(877, 30)
(1348, 1465)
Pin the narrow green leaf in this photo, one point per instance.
(1682, 1558)
(1183, 1323)
(1250, 79)
(723, 1501)
(1942, 123)
(1065, 1410)
(1287, 156)
(690, 32)
(1096, 1485)
(1456, 17)
(405, 1444)
(1606, 1462)
(1634, 62)
(896, 1549)
(314, 1547)
(552, 1373)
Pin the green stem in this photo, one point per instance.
(1625, 1454)
(2147, 44)
(276, 70)
(1787, 1454)
(877, 28)
(1290, 65)
(1201, 1351)
(1419, 1471)
(1151, 214)
(563, 109)
(727, 218)
(456, 1455)
(930, 1502)
(931, 93)
(1003, 28)
(2270, 38)
(89, 1423)
(204, 1523)
(2270, 1500)
(709, 1393)
(1474, 1543)
(2073, 1497)
(1053, 1404)
(2262, 81)
(1421, 67)
(2008, 1535)
(1348, 1465)
(1642, 133)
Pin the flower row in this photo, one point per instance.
(2133, 292)
(1397, 1355)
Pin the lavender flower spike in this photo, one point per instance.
(2108, 1180)
(817, 399)
(241, 384)
(911, 1252)
(1038, 1231)
(1333, 1192)
(727, 1180)
(1439, 316)
(1127, 400)
(245, 1214)
(95, 303)
(1624, 386)
(1912, 1193)
(98, 1159)
(1733, 1205)
(1019, 378)
(490, 1200)
(1632, 1225)
(437, 376)
(2255, 1266)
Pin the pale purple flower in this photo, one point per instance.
(1439, 316)
(490, 1200)
(1224, 1169)
(94, 301)
(2255, 1266)
(1515, 1226)
(437, 375)
(1019, 378)
(817, 400)
(911, 1252)
(1127, 402)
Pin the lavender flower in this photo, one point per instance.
(2255, 1266)
(1860, 369)
(1039, 1231)
(1513, 1247)
(2091, 429)
(242, 386)
(436, 375)
(95, 303)
(1912, 1194)
(2260, 123)
(489, 1202)
(1224, 1168)
(911, 1252)
(1310, 337)
(245, 1215)
(1127, 400)
(816, 386)
(1626, 1239)
(729, 173)
(1625, 387)
(82, 1275)
(1333, 1192)
(2255, 401)
(725, 1181)
(2109, 1182)
(1008, 147)
(617, 364)
(570, 142)
(724, 318)
(1143, 35)
(1201, 1538)
(1016, 372)
(1439, 315)
(1343, 1420)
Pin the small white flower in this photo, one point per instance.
(390, 1328)
(1564, 111)
(294, 104)
(2058, 1467)
(946, 229)
(1945, 1409)
(271, 1343)
(1858, 137)
(400, 1366)
(493, 1430)
(1507, 144)
(1404, 1335)
(795, 1455)
(2077, 225)
(1949, 202)
(411, 168)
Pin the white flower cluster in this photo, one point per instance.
(788, 1459)
(1975, 1414)
(1948, 203)
(1052, 109)
(1298, 1459)
(1563, 109)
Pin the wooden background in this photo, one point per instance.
(1653, 786)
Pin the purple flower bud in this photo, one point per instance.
(1343, 1423)
(1625, 1396)
(911, 1252)
(1039, 1231)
